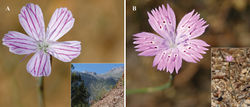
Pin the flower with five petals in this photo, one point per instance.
(43, 44)
(173, 44)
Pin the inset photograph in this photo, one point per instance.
(97, 84)
(230, 78)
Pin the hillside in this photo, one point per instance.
(114, 98)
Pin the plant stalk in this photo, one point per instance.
(41, 91)
(152, 89)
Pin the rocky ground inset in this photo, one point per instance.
(114, 98)
(230, 85)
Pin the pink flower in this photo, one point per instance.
(173, 44)
(43, 44)
(229, 58)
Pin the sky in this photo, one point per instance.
(99, 68)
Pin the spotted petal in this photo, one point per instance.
(31, 19)
(19, 43)
(65, 51)
(190, 26)
(60, 23)
(39, 64)
(148, 43)
(192, 49)
(169, 60)
(163, 21)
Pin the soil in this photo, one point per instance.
(114, 98)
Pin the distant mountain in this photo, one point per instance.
(115, 73)
(98, 84)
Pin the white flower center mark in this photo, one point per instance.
(43, 46)
(172, 45)
(170, 40)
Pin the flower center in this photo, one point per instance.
(170, 40)
(43, 46)
(172, 45)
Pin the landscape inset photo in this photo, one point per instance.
(97, 84)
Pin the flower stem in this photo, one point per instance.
(152, 89)
(41, 91)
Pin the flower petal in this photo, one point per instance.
(190, 26)
(39, 65)
(31, 19)
(60, 23)
(163, 21)
(191, 50)
(178, 63)
(174, 61)
(65, 51)
(168, 59)
(148, 43)
(19, 43)
(161, 59)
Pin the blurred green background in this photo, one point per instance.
(98, 25)
(229, 26)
